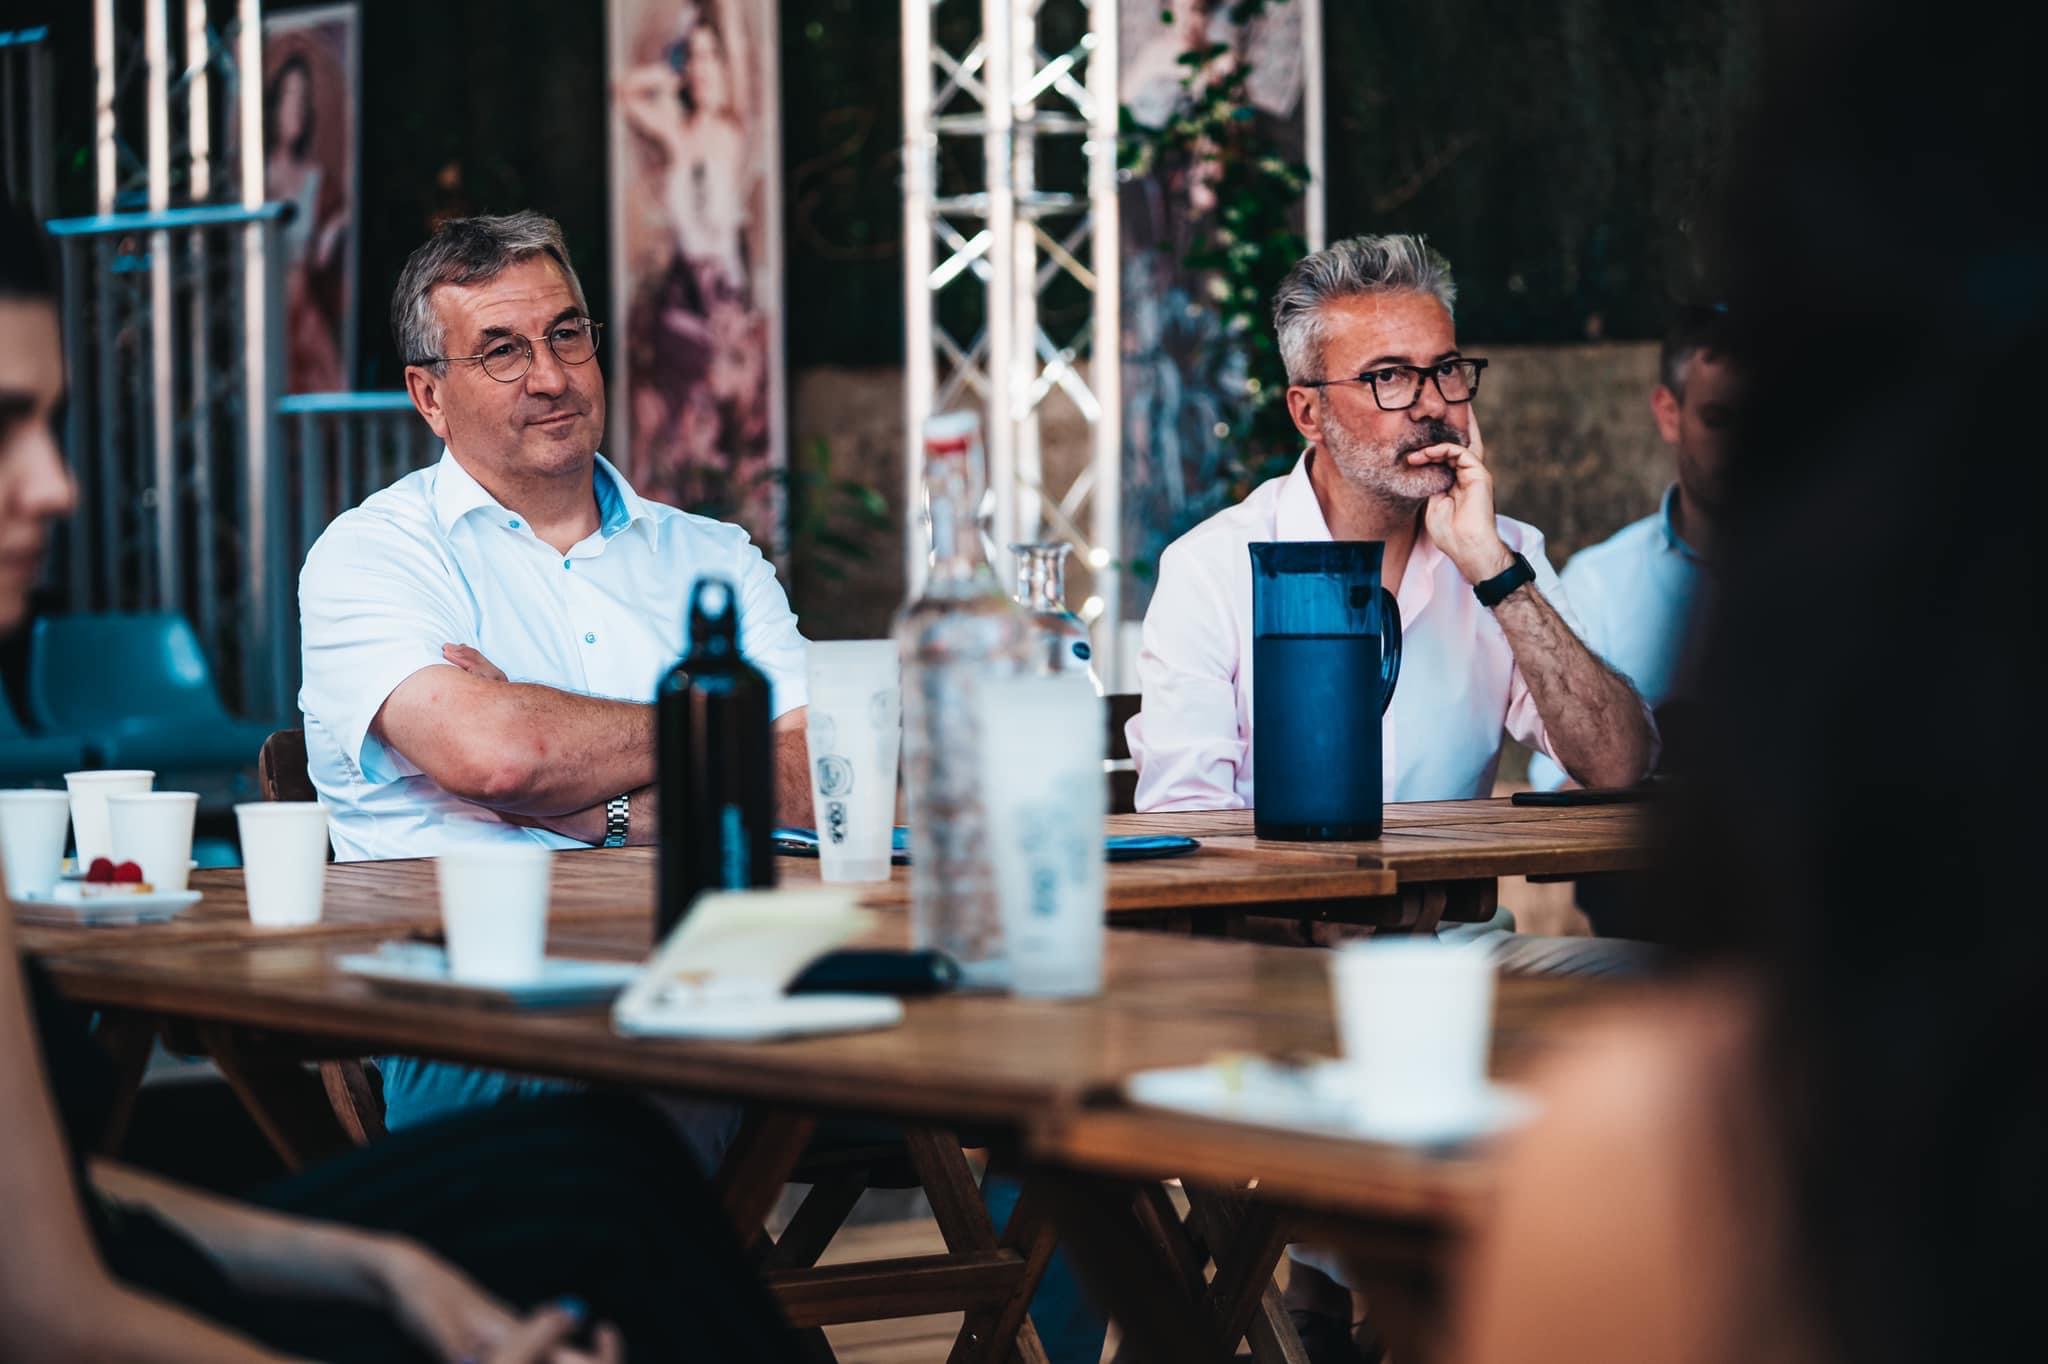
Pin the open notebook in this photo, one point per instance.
(725, 970)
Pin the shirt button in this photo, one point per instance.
(590, 639)
(565, 563)
(513, 523)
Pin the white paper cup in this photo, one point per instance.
(494, 912)
(1416, 1020)
(154, 828)
(284, 860)
(32, 828)
(854, 727)
(1047, 799)
(89, 792)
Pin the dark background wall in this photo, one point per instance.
(1564, 153)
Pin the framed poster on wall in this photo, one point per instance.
(697, 410)
(312, 120)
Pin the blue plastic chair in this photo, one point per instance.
(35, 757)
(139, 687)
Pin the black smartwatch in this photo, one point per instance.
(1495, 590)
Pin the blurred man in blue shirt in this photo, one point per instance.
(1637, 592)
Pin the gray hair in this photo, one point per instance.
(467, 251)
(1345, 269)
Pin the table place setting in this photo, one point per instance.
(1415, 1020)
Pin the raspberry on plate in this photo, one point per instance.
(101, 870)
(127, 873)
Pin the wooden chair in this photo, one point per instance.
(1123, 778)
(281, 772)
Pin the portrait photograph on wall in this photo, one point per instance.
(696, 220)
(311, 117)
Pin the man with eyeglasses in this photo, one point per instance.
(1382, 395)
(482, 639)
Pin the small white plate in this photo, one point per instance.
(111, 909)
(1317, 1098)
(421, 970)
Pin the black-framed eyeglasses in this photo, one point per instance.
(1396, 387)
(507, 358)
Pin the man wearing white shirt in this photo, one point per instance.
(1381, 393)
(482, 639)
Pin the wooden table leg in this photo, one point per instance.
(1246, 1239)
(1128, 1269)
(759, 1162)
(128, 1039)
(288, 1104)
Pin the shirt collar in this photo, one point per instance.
(1299, 516)
(1673, 541)
(457, 494)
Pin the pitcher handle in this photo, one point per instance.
(1390, 648)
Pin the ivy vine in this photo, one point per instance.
(1241, 243)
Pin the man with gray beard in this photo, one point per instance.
(1380, 391)
(1383, 396)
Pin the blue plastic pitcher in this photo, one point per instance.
(1326, 652)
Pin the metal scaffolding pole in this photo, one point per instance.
(994, 219)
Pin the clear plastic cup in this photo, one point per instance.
(154, 828)
(494, 912)
(854, 728)
(1046, 799)
(32, 829)
(284, 861)
(89, 792)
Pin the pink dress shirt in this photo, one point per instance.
(1459, 688)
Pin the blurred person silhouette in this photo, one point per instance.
(1827, 1145)
(439, 1244)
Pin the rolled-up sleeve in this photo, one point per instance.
(1523, 721)
(769, 637)
(1186, 741)
(375, 607)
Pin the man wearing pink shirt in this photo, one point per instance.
(1380, 391)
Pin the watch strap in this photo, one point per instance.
(618, 819)
(1495, 590)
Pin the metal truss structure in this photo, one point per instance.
(174, 324)
(1001, 214)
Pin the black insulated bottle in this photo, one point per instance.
(717, 777)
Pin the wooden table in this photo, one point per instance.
(1447, 857)
(1039, 1078)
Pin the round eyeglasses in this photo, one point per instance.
(507, 358)
(1396, 387)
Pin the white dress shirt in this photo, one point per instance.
(1459, 688)
(1636, 594)
(433, 560)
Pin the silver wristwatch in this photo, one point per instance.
(617, 819)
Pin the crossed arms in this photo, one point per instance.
(551, 758)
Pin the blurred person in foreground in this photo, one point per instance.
(1828, 1147)
(101, 1261)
